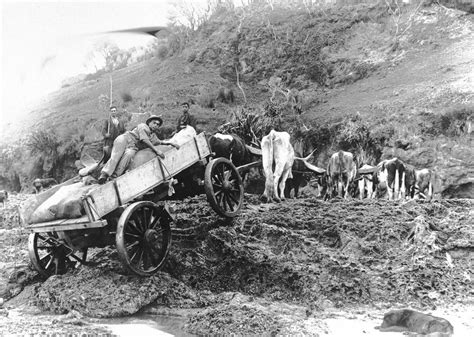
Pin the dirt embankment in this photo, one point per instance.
(277, 268)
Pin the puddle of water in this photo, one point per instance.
(146, 325)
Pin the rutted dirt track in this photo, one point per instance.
(273, 269)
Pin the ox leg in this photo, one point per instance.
(361, 188)
(340, 188)
(430, 191)
(403, 193)
(278, 173)
(346, 189)
(276, 178)
(396, 186)
(268, 192)
(283, 183)
(370, 189)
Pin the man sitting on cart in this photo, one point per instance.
(126, 145)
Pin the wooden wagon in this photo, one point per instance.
(127, 211)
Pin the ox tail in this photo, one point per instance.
(430, 185)
(340, 182)
(396, 182)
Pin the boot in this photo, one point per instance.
(103, 178)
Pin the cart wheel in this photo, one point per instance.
(223, 186)
(143, 237)
(51, 257)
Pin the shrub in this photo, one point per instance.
(126, 97)
(162, 51)
(450, 122)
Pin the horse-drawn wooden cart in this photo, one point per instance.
(124, 212)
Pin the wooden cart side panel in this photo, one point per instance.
(136, 182)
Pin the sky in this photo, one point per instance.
(44, 42)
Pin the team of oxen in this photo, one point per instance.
(285, 169)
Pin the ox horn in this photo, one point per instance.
(310, 166)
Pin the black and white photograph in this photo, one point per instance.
(237, 168)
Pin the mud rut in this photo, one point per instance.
(304, 252)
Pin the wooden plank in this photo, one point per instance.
(147, 176)
(246, 167)
(65, 225)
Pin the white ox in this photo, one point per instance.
(277, 153)
(424, 183)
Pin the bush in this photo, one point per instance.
(162, 52)
(450, 122)
(126, 97)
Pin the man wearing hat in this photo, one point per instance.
(186, 118)
(113, 127)
(126, 145)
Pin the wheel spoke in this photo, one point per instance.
(139, 222)
(145, 259)
(43, 259)
(140, 258)
(217, 179)
(135, 224)
(234, 199)
(145, 218)
(224, 201)
(229, 202)
(219, 198)
(44, 247)
(132, 244)
(155, 222)
(133, 235)
(135, 254)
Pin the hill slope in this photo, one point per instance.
(414, 93)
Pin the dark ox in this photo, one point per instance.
(341, 172)
(303, 171)
(3, 197)
(234, 148)
(231, 147)
(41, 184)
(397, 178)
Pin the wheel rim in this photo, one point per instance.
(143, 237)
(224, 188)
(51, 257)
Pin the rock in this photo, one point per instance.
(414, 321)
(452, 161)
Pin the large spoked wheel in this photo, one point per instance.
(143, 237)
(223, 186)
(51, 257)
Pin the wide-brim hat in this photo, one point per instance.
(154, 117)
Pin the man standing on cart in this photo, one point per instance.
(126, 145)
(186, 118)
(113, 127)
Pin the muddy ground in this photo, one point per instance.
(276, 269)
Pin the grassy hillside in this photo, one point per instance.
(363, 78)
